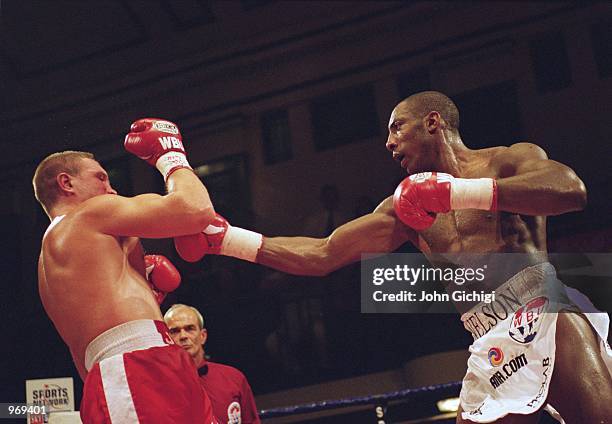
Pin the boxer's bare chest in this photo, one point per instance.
(462, 231)
(134, 251)
(478, 231)
(475, 231)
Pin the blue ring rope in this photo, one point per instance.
(362, 400)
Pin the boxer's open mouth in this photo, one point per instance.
(398, 157)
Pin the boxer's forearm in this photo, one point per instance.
(187, 188)
(550, 189)
(295, 255)
(372, 233)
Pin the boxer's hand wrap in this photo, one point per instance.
(162, 276)
(420, 196)
(219, 238)
(474, 193)
(159, 143)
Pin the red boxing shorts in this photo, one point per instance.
(137, 375)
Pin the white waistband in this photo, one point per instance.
(134, 335)
(525, 284)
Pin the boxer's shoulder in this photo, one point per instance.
(506, 160)
(94, 212)
(64, 232)
(518, 152)
(386, 207)
(97, 204)
(80, 225)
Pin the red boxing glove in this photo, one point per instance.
(163, 277)
(193, 247)
(421, 196)
(159, 143)
(219, 238)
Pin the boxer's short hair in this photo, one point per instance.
(45, 186)
(426, 101)
(176, 306)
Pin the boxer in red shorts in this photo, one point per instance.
(93, 285)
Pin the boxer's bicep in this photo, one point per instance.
(377, 232)
(147, 215)
(531, 184)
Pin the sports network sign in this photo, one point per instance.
(55, 394)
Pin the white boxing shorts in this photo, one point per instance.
(513, 355)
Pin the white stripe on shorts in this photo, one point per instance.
(117, 392)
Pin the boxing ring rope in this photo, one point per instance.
(382, 399)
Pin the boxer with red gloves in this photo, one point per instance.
(420, 196)
(162, 276)
(219, 238)
(159, 143)
(463, 200)
(92, 279)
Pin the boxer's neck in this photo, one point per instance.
(453, 157)
(61, 210)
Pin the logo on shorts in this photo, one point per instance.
(508, 369)
(166, 127)
(527, 319)
(233, 413)
(535, 402)
(496, 356)
(477, 411)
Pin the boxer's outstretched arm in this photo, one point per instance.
(536, 185)
(378, 232)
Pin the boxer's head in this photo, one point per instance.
(415, 128)
(69, 176)
(186, 326)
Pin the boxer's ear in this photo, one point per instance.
(64, 182)
(432, 121)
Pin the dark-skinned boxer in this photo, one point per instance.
(456, 201)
